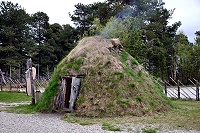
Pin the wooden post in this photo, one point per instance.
(1, 83)
(197, 90)
(10, 78)
(29, 66)
(10, 84)
(38, 72)
(165, 88)
(179, 94)
(38, 96)
(1, 80)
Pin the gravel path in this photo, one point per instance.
(41, 123)
(51, 123)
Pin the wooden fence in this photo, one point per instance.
(180, 91)
(19, 85)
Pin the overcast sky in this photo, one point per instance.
(187, 11)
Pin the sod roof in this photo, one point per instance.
(114, 83)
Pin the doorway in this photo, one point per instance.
(71, 88)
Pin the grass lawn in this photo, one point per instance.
(184, 115)
(13, 97)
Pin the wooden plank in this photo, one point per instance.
(75, 87)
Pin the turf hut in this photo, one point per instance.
(112, 82)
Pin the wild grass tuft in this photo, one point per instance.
(139, 98)
(77, 64)
(124, 56)
(121, 75)
(134, 61)
(140, 73)
(149, 130)
(109, 127)
(132, 85)
(69, 65)
(23, 109)
(130, 72)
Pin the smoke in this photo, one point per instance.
(122, 23)
(116, 27)
(132, 18)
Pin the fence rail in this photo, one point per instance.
(19, 84)
(180, 91)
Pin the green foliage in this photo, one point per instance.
(109, 127)
(77, 64)
(149, 130)
(130, 72)
(139, 98)
(124, 56)
(14, 28)
(23, 109)
(132, 85)
(69, 65)
(121, 75)
(123, 102)
(134, 61)
(140, 73)
(81, 100)
(96, 28)
(92, 12)
(144, 33)
(62, 39)
(40, 25)
(47, 98)
(24, 36)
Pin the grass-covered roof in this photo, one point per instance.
(114, 83)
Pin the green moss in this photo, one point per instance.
(139, 73)
(81, 100)
(69, 65)
(77, 64)
(132, 85)
(140, 79)
(134, 61)
(102, 85)
(159, 90)
(130, 72)
(46, 101)
(121, 75)
(124, 56)
(139, 98)
(153, 103)
(123, 102)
